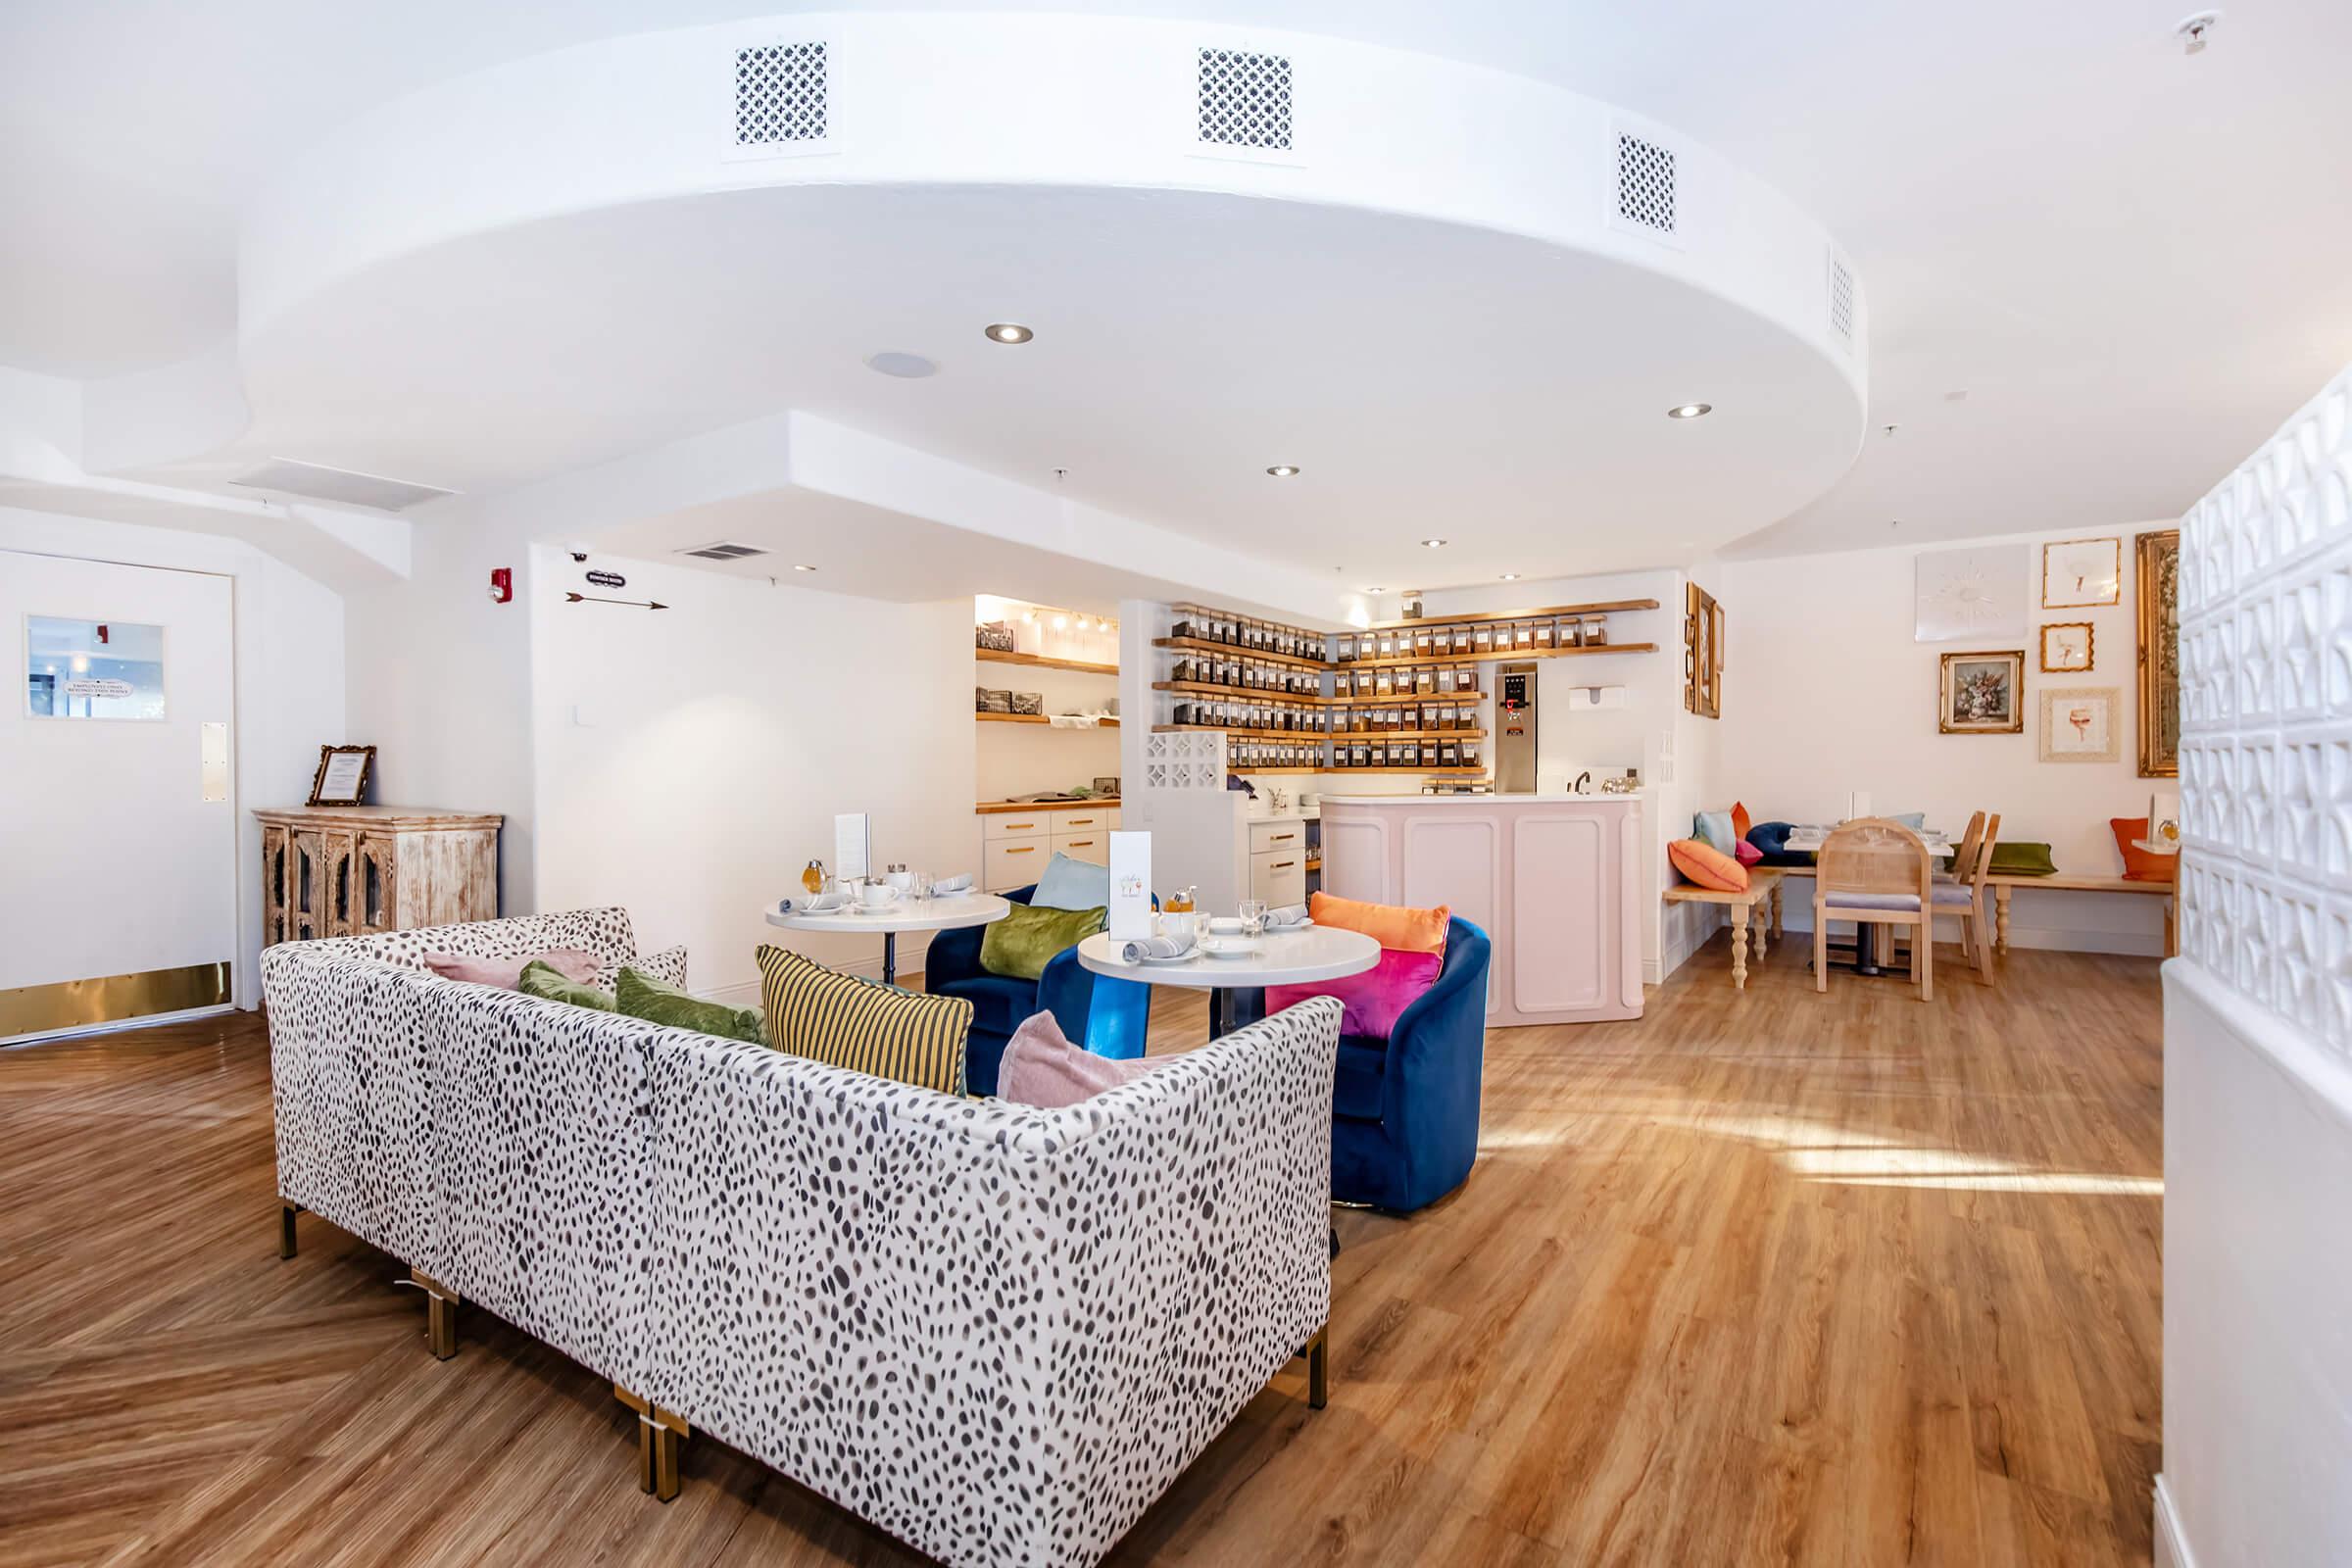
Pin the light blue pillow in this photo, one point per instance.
(1916, 821)
(1714, 829)
(1072, 885)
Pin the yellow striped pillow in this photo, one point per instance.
(861, 1024)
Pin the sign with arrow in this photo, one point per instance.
(634, 604)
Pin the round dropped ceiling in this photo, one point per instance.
(1447, 295)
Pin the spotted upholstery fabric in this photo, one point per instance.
(997, 1332)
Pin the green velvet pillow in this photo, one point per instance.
(2022, 859)
(550, 984)
(1020, 945)
(642, 996)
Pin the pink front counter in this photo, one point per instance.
(1554, 880)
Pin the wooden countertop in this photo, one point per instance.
(986, 807)
(383, 816)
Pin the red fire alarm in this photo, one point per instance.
(501, 584)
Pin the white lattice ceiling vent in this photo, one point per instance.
(1245, 101)
(781, 97)
(1646, 186)
(724, 551)
(1841, 297)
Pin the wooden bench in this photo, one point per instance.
(1763, 888)
(2002, 884)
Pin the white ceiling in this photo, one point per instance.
(2130, 260)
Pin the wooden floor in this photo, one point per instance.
(1761, 1279)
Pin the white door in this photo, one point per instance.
(118, 814)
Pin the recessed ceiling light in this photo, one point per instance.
(1690, 410)
(905, 367)
(1511, 576)
(804, 569)
(1284, 470)
(1007, 333)
(1432, 544)
(1376, 589)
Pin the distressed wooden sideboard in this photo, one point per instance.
(348, 870)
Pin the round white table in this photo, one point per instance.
(1283, 959)
(951, 913)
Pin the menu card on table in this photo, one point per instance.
(1130, 887)
(852, 844)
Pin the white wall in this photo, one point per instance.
(441, 682)
(2257, 1019)
(689, 761)
(1826, 692)
(289, 679)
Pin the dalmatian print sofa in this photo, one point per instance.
(998, 1332)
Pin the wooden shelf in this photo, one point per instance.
(1297, 737)
(1514, 655)
(1039, 718)
(1479, 771)
(1492, 615)
(997, 656)
(1242, 694)
(1406, 697)
(1315, 862)
(1204, 644)
(1406, 735)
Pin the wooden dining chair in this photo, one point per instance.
(1874, 874)
(1966, 897)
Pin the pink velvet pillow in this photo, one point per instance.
(1042, 1068)
(1370, 1002)
(507, 973)
(1748, 853)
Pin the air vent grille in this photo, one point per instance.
(1245, 100)
(724, 551)
(780, 94)
(1645, 184)
(1841, 297)
(343, 486)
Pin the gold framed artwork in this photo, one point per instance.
(2079, 574)
(1702, 653)
(2078, 723)
(342, 776)
(1982, 694)
(2068, 647)
(2157, 584)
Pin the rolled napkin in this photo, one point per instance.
(1287, 914)
(1175, 946)
(813, 903)
(952, 884)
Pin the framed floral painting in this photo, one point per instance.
(1982, 693)
(2078, 723)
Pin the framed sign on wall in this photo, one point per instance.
(342, 776)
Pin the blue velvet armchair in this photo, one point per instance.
(1106, 1016)
(1405, 1110)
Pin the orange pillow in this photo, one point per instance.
(1707, 867)
(1740, 820)
(1394, 927)
(2142, 865)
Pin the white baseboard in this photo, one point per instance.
(2172, 1544)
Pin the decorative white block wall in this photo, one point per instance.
(2266, 751)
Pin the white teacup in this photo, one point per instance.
(899, 881)
(877, 895)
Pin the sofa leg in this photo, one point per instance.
(1318, 1368)
(660, 1440)
(285, 1228)
(440, 1314)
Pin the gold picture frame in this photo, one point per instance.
(2082, 724)
(2065, 663)
(336, 783)
(1982, 692)
(2156, 583)
(2086, 574)
(1702, 653)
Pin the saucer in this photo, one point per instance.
(1226, 948)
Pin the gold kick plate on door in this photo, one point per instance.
(79, 1003)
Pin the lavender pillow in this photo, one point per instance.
(507, 973)
(1370, 1002)
(1042, 1068)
